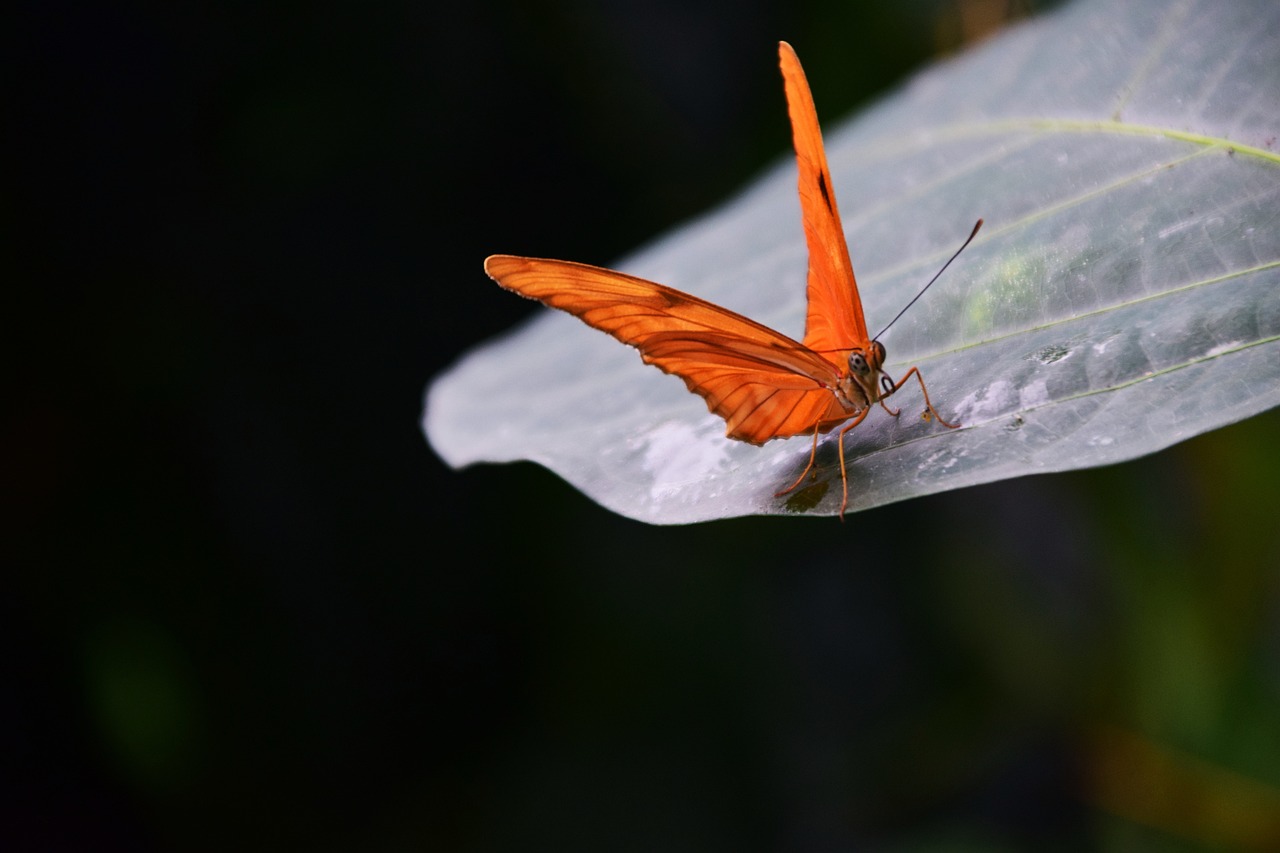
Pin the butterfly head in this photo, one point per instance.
(865, 383)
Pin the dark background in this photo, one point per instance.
(250, 608)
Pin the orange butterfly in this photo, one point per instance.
(764, 384)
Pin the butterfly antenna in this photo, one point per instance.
(972, 234)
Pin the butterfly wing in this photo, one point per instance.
(835, 320)
(764, 384)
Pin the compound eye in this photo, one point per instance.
(858, 363)
(878, 349)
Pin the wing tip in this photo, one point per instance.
(493, 263)
(787, 54)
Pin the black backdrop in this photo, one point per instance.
(250, 608)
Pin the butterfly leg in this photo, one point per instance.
(928, 405)
(813, 454)
(844, 474)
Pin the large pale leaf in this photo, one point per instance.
(1124, 295)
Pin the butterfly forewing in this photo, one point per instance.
(834, 322)
(764, 384)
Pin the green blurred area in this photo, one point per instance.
(251, 609)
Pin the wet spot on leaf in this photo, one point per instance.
(805, 499)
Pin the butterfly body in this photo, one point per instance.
(764, 384)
